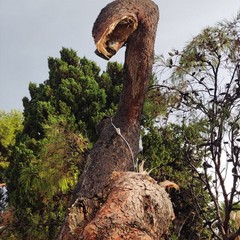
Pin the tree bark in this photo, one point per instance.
(133, 206)
(108, 203)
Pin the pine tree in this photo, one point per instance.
(59, 127)
(206, 76)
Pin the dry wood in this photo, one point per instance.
(110, 204)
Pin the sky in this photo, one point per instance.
(31, 31)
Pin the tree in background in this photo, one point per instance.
(164, 152)
(10, 126)
(59, 125)
(71, 91)
(164, 156)
(206, 77)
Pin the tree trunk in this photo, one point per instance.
(109, 201)
(132, 206)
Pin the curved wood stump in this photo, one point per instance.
(109, 202)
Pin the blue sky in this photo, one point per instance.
(31, 31)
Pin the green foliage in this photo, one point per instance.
(10, 126)
(75, 90)
(45, 183)
(208, 68)
(215, 48)
(111, 80)
(155, 104)
(59, 125)
(168, 157)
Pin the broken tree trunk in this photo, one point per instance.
(133, 206)
(109, 201)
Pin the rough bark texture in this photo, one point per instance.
(135, 207)
(130, 205)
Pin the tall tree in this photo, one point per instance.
(99, 189)
(207, 74)
(39, 182)
(71, 90)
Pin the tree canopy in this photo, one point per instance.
(206, 78)
(58, 129)
(10, 126)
